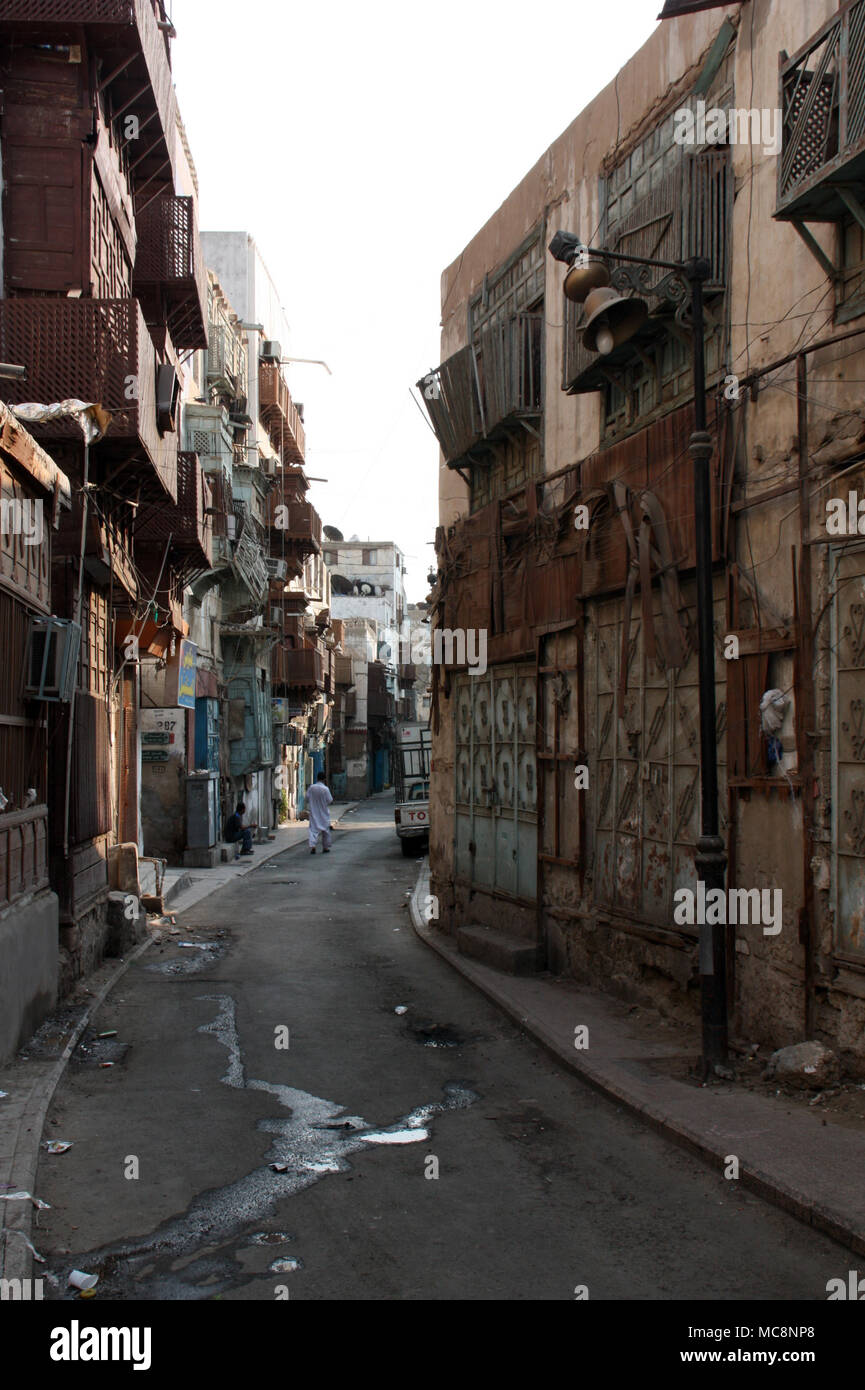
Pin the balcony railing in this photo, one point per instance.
(297, 667)
(823, 119)
(23, 853)
(169, 264)
(95, 350)
(188, 524)
(280, 414)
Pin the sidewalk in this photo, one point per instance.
(802, 1162)
(183, 888)
(31, 1079)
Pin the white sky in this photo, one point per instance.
(363, 145)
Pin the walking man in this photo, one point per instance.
(318, 799)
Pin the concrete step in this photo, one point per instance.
(174, 886)
(504, 951)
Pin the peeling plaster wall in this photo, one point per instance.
(778, 300)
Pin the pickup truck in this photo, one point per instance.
(411, 773)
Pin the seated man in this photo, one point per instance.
(235, 831)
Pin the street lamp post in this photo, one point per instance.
(613, 319)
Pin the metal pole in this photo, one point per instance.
(79, 603)
(711, 858)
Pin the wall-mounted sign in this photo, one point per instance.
(186, 674)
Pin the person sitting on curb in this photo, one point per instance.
(318, 799)
(236, 831)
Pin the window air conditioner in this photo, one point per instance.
(271, 350)
(51, 664)
(167, 398)
(277, 569)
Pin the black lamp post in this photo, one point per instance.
(613, 318)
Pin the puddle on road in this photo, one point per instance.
(314, 1139)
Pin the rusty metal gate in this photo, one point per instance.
(496, 780)
(848, 752)
(644, 768)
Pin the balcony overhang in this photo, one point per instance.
(485, 392)
(96, 350)
(821, 166)
(280, 415)
(169, 274)
(186, 527)
(134, 67)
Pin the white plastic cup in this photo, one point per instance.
(79, 1280)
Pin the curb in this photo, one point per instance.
(179, 886)
(763, 1183)
(16, 1259)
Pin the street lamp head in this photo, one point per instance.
(611, 319)
(587, 273)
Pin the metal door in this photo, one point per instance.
(848, 752)
(644, 768)
(496, 780)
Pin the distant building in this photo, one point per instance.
(368, 594)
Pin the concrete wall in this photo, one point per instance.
(29, 978)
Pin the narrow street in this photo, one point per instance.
(436, 1153)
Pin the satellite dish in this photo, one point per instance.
(384, 652)
(367, 590)
(340, 585)
(332, 534)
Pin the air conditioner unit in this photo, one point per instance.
(167, 399)
(51, 663)
(271, 350)
(276, 617)
(277, 569)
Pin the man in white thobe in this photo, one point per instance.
(318, 799)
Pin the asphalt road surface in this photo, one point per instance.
(436, 1153)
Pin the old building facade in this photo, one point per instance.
(190, 656)
(566, 776)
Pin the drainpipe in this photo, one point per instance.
(805, 703)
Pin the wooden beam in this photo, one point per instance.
(24, 450)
